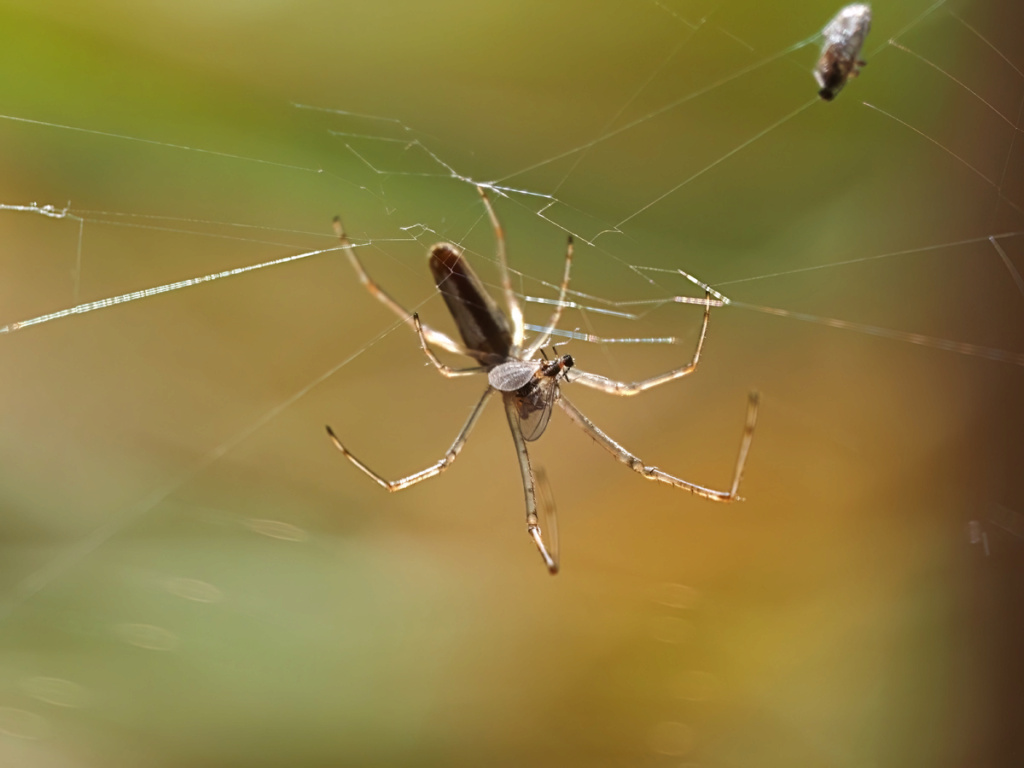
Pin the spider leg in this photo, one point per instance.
(435, 337)
(625, 389)
(653, 473)
(425, 474)
(541, 341)
(529, 487)
(444, 370)
(514, 310)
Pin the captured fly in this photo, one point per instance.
(840, 55)
(535, 386)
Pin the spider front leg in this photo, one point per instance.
(653, 473)
(625, 389)
(514, 310)
(541, 341)
(444, 370)
(429, 472)
(436, 337)
(529, 486)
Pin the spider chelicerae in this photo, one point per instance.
(529, 385)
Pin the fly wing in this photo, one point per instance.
(533, 425)
(548, 516)
(535, 409)
(510, 376)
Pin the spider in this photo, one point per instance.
(529, 386)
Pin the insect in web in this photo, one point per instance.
(529, 385)
(840, 55)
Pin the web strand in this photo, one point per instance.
(544, 204)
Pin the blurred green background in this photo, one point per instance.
(191, 575)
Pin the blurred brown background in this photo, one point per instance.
(191, 575)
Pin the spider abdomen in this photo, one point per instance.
(482, 325)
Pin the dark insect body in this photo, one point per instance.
(840, 55)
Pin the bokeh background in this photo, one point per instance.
(191, 575)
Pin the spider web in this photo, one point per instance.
(179, 323)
